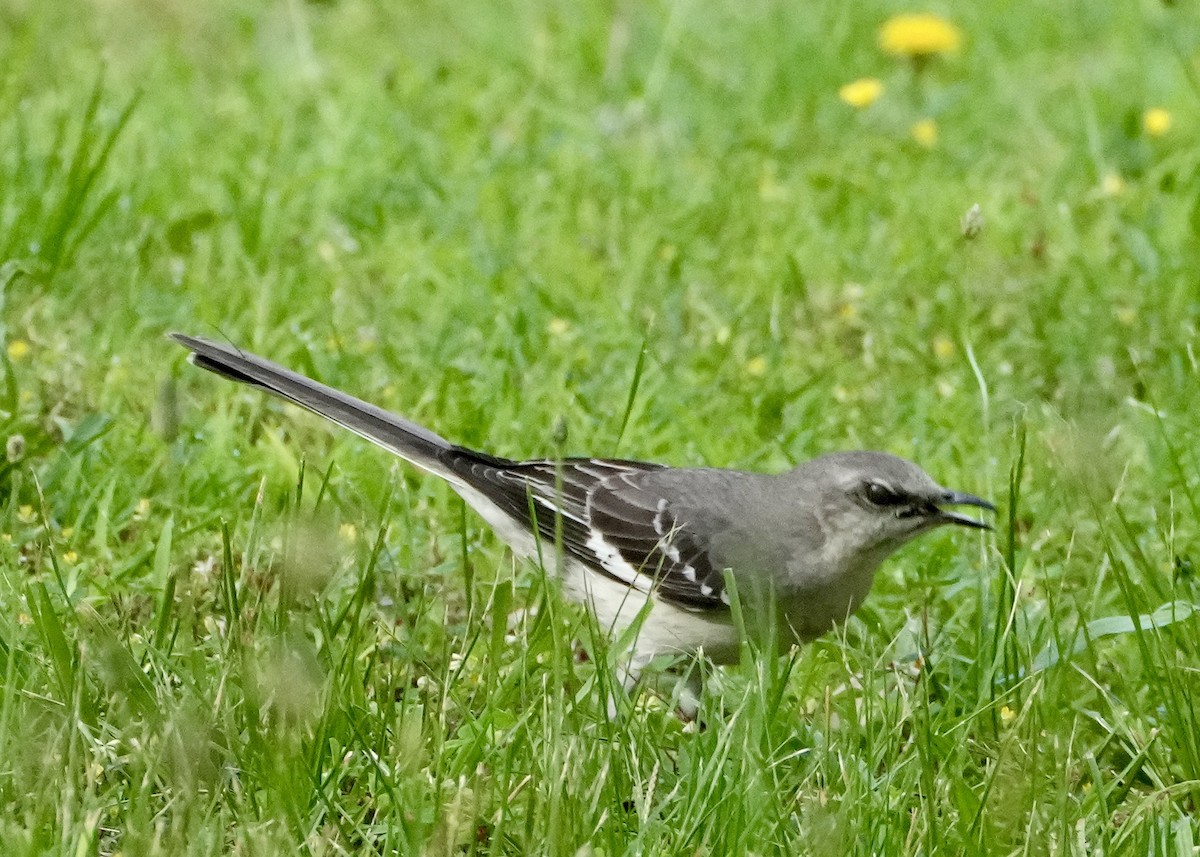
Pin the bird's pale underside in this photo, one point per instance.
(647, 545)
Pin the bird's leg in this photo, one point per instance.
(681, 685)
(628, 671)
(689, 690)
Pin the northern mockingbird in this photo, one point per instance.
(641, 542)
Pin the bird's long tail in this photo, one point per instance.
(407, 439)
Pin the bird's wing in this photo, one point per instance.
(605, 515)
(640, 532)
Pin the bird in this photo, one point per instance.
(670, 552)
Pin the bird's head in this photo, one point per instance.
(883, 501)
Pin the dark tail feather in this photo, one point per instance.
(407, 439)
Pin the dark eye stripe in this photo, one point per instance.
(879, 494)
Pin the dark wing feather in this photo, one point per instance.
(550, 496)
(606, 518)
(642, 525)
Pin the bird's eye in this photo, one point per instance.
(878, 494)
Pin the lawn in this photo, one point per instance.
(664, 230)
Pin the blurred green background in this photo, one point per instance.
(730, 234)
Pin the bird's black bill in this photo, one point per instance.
(958, 498)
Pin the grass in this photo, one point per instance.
(648, 230)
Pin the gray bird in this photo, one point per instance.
(648, 545)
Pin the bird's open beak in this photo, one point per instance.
(958, 498)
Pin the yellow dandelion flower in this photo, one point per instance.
(943, 347)
(1007, 714)
(919, 35)
(1112, 185)
(67, 532)
(1156, 121)
(6, 538)
(925, 133)
(18, 349)
(25, 514)
(348, 532)
(862, 92)
(756, 367)
(70, 557)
